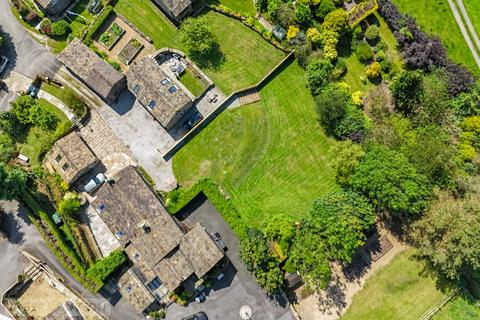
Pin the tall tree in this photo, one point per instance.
(332, 230)
(197, 38)
(448, 236)
(407, 90)
(390, 181)
(12, 182)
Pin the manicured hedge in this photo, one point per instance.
(179, 198)
(103, 268)
(102, 17)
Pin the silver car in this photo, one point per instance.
(96, 182)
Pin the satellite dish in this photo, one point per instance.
(246, 313)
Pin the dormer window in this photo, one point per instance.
(58, 158)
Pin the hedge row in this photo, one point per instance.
(179, 198)
(103, 268)
(102, 17)
(361, 11)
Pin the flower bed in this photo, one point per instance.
(130, 51)
(110, 37)
(361, 11)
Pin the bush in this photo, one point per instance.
(73, 101)
(364, 52)
(372, 33)
(42, 117)
(324, 8)
(46, 26)
(373, 70)
(60, 28)
(318, 75)
(303, 14)
(339, 69)
(7, 147)
(69, 206)
(103, 268)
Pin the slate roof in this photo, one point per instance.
(145, 79)
(177, 6)
(70, 156)
(132, 211)
(92, 69)
(66, 311)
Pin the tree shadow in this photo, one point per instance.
(332, 299)
(9, 50)
(214, 60)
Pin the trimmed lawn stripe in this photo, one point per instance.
(245, 7)
(271, 156)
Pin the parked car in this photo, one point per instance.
(94, 183)
(3, 63)
(32, 91)
(218, 239)
(197, 316)
(197, 117)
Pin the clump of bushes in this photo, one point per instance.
(103, 268)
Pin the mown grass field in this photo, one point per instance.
(473, 9)
(460, 308)
(435, 17)
(397, 291)
(242, 6)
(247, 57)
(271, 156)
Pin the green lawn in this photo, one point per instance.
(397, 291)
(242, 6)
(37, 140)
(356, 69)
(79, 24)
(247, 56)
(460, 308)
(435, 17)
(473, 9)
(195, 86)
(271, 156)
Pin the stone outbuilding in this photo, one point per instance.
(53, 7)
(70, 157)
(176, 10)
(96, 73)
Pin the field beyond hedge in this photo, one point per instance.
(272, 156)
(435, 17)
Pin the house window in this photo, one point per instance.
(136, 256)
(119, 234)
(152, 104)
(154, 284)
(136, 89)
(58, 158)
(101, 208)
(172, 89)
(65, 167)
(165, 81)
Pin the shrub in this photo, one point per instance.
(373, 70)
(46, 26)
(324, 8)
(364, 52)
(314, 36)
(372, 33)
(60, 28)
(303, 14)
(7, 147)
(42, 117)
(103, 268)
(318, 75)
(339, 69)
(292, 32)
(69, 206)
(73, 101)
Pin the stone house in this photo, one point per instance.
(70, 157)
(96, 73)
(162, 95)
(164, 255)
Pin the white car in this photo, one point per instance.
(3, 63)
(96, 182)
